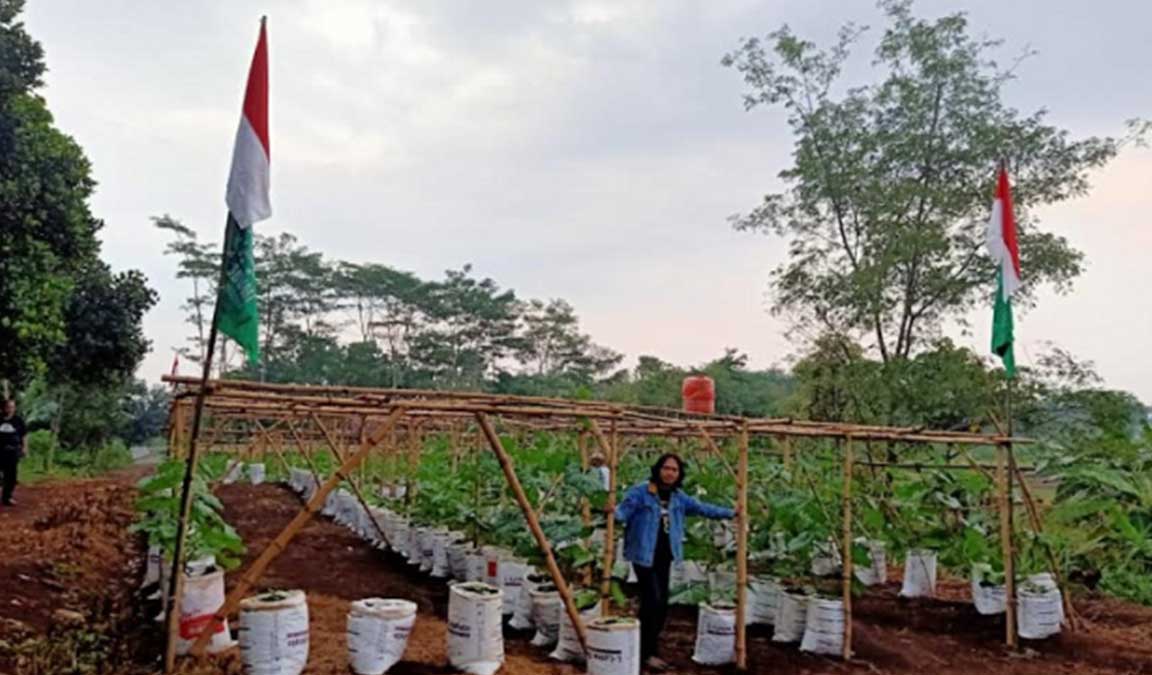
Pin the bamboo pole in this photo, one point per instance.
(742, 552)
(366, 448)
(715, 449)
(609, 450)
(1038, 528)
(846, 554)
(303, 451)
(533, 525)
(258, 566)
(787, 451)
(1006, 546)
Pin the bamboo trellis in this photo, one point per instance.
(238, 411)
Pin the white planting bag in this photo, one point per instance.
(522, 617)
(546, 610)
(378, 631)
(232, 472)
(477, 565)
(877, 570)
(475, 637)
(722, 586)
(824, 627)
(203, 595)
(458, 560)
(763, 596)
(568, 647)
(440, 554)
(791, 617)
(988, 599)
(274, 633)
(511, 580)
(1040, 608)
(256, 474)
(715, 635)
(427, 548)
(614, 646)
(826, 559)
(919, 574)
(153, 561)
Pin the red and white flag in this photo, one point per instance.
(1002, 244)
(248, 182)
(175, 364)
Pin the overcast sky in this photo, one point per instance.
(590, 151)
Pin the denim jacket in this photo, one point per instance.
(640, 513)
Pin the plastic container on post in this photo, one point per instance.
(699, 394)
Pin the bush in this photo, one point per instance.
(112, 455)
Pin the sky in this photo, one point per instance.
(585, 150)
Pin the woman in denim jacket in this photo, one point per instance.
(653, 513)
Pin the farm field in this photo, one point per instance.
(98, 564)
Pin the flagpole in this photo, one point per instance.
(1010, 563)
(176, 578)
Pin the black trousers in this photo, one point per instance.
(653, 583)
(8, 464)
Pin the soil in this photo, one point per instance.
(82, 539)
(69, 569)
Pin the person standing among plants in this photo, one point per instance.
(13, 446)
(653, 513)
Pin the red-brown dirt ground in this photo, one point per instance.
(69, 540)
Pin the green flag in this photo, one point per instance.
(248, 203)
(237, 313)
(1002, 328)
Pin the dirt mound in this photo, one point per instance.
(70, 568)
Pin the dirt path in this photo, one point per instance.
(892, 635)
(68, 570)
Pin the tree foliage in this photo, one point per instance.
(891, 180)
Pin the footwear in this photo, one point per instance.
(655, 663)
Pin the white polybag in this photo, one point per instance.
(824, 627)
(274, 633)
(378, 631)
(475, 637)
(791, 617)
(568, 647)
(919, 574)
(715, 635)
(613, 646)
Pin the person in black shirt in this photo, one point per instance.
(13, 446)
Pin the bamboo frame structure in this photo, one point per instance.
(238, 408)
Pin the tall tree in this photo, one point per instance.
(473, 329)
(46, 228)
(199, 262)
(891, 180)
(552, 343)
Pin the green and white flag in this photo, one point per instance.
(1003, 248)
(237, 314)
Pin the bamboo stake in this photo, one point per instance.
(366, 449)
(742, 552)
(303, 451)
(717, 451)
(788, 451)
(846, 555)
(585, 506)
(256, 569)
(1006, 545)
(609, 449)
(533, 525)
(1038, 528)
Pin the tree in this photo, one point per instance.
(46, 228)
(891, 181)
(473, 328)
(199, 262)
(552, 343)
